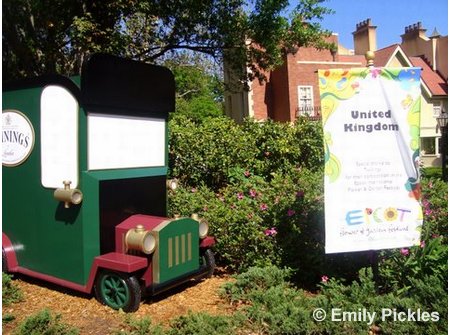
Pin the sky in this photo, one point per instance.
(389, 16)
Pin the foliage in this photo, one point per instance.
(399, 269)
(362, 296)
(431, 172)
(204, 324)
(39, 38)
(44, 323)
(209, 152)
(192, 323)
(199, 91)
(276, 307)
(206, 152)
(255, 222)
(435, 208)
(134, 326)
(10, 292)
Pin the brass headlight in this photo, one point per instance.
(203, 228)
(140, 239)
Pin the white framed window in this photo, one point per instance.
(437, 108)
(305, 100)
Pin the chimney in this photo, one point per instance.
(414, 31)
(434, 40)
(365, 37)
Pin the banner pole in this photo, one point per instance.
(373, 254)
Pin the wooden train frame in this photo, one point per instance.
(85, 162)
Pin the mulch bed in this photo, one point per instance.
(90, 317)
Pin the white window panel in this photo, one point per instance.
(59, 137)
(125, 142)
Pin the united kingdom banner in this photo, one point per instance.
(371, 123)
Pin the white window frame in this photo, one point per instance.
(437, 108)
(306, 99)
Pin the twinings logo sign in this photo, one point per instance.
(17, 138)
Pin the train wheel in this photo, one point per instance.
(118, 291)
(207, 258)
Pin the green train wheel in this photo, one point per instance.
(118, 291)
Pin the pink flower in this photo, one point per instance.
(300, 194)
(404, 251)
(240, 196)
(270, 232)
(263, 207)
(247, 173)
(193, 190)
(290, 212)
(325, 279)
(252, 193)
(422, 244)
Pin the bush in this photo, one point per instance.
(204, 324)
(10, 292)
(44, 323)
(256, 222)
(399, 269)
(208, 151)
(204, 153)
(362, 296)
(134, 326)
(435, 208)
(193, 323)
(273, 306)
(269, 302)
(432, 172)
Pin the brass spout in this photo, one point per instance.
(68, 195)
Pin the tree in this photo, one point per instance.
(199, 87)
(43, 36)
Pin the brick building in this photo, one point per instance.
(293, 89)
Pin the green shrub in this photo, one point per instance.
(205, 324)
(44, 323)
(435, 208)
(134, 326)
(256, 222)
(431, 172)
(254, 279)
(400, 268)
(10, 292)
(208, 151)
(362, 295)
(204, 153)
(270, 303)
(273, 306)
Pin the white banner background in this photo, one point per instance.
(371, 129)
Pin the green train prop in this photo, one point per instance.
(85, 163)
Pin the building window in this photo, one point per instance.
(437, 108)
(429, 146)
(305, 100)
